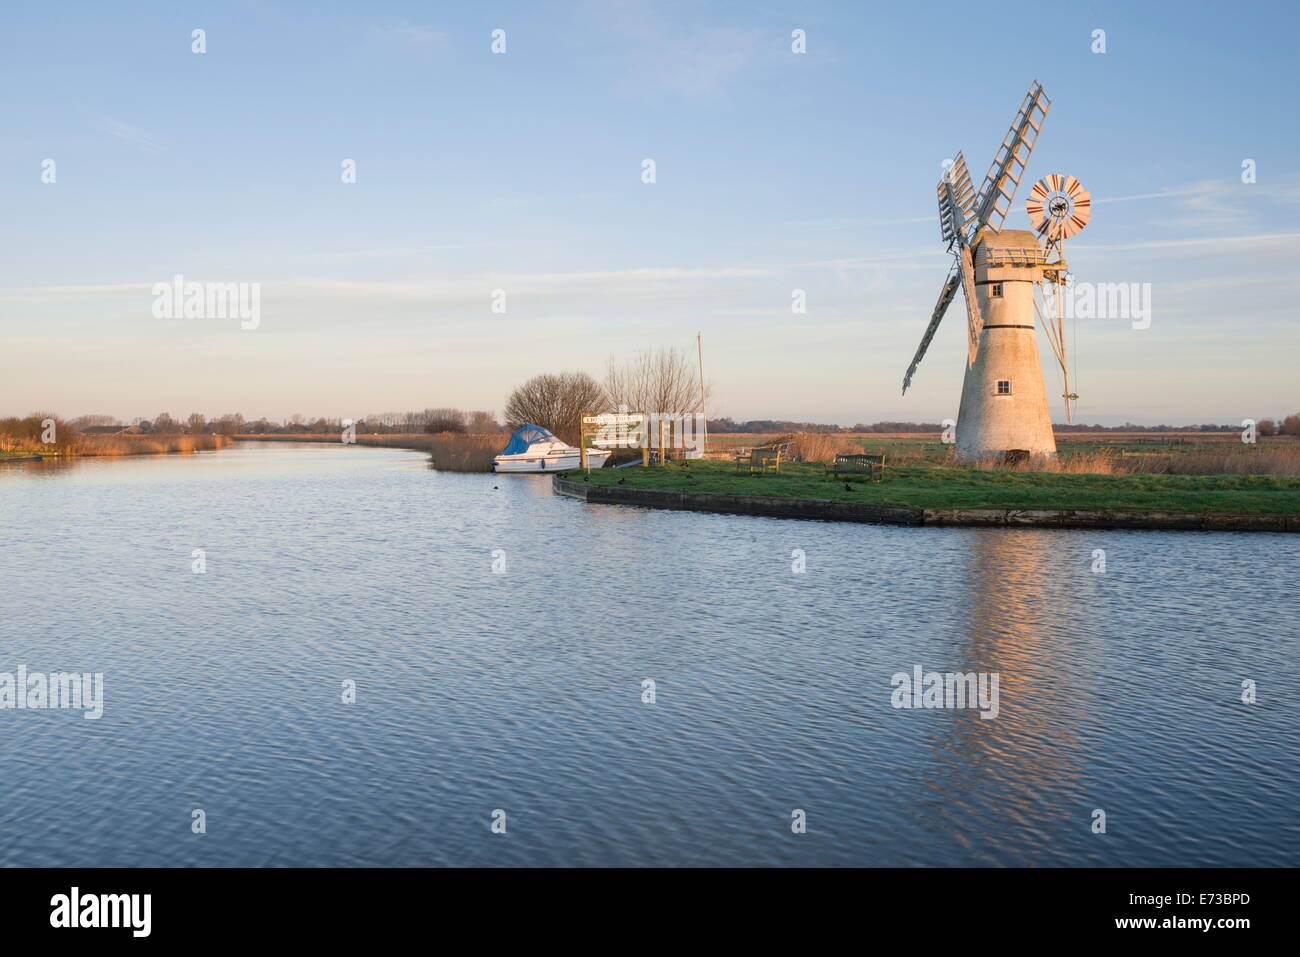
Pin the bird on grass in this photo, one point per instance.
(848, 487)
(622, 481)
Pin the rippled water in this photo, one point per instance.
(522, 691)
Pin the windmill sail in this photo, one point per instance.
(962, 216)
(956, 201)
(1009, 164)
(974, 321)
(945, 297)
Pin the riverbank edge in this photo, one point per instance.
(821, 509)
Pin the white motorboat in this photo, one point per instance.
(534, 449)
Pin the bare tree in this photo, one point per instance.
(443, 420)
(232, 423)
(555, 402)
(482, 423)
(164, 424)
(93, 422)
(663, 380)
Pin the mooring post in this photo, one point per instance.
(582, 443)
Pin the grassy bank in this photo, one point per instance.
(936, 486)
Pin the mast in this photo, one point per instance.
(699, 351)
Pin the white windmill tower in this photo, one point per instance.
(1003, 401)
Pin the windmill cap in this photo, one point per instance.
(1011, 239)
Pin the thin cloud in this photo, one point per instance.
(415, 290)
(127, 133)
(851, 223)
(1165, 194)
(1260, 238)
(404, 33)
(658, 56)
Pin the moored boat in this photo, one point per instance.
(534, 449)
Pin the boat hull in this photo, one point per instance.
(525, 463)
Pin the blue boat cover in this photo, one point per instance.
(525, 436)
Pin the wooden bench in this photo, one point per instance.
(762, 460)
(872, 466)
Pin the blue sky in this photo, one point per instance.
(522, 172)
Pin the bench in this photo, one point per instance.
(762, 460)
(872, 466)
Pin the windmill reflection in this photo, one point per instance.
(1011, 772)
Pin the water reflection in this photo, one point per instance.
(995, 772)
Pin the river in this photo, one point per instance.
(498, 637)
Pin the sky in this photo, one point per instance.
(522, 171)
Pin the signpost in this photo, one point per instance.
(620, 430)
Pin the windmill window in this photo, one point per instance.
(996, 291)
(1004, 387)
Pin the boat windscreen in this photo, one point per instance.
(527, 435)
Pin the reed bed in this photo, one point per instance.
(824, 446)
(25, 435)
(1217, 459)
(1072, 463)
(1243, 460)
(817, 446)
(464, 452)
(95, 445)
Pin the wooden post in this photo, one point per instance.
(662, 461)
(582, 443)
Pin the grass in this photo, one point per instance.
(936, 486)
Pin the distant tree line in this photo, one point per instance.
(384, 423)
(556, 400)
(1290, 425)
(785, 426)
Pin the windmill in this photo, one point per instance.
(1004, 401)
